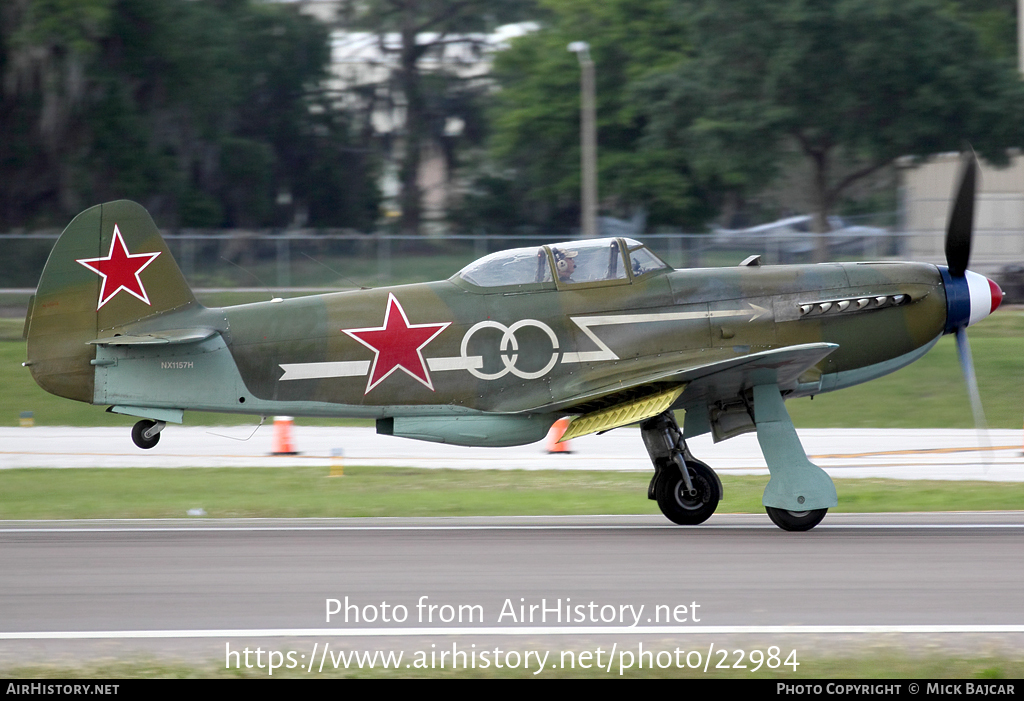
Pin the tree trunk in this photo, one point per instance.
(411, 198)
(822, 205)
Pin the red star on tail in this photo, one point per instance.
(397, 345)
(120, 270)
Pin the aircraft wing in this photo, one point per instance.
(781, 366)
(691, 386)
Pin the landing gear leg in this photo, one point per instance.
(687, 490)
(146, 433)
(799, 492)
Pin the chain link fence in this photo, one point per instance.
(332, 259)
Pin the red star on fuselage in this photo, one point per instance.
(397, 345)
(120, 270)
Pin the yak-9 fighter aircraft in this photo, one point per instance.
(601, 331)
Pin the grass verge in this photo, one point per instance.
(871, 664)
(307, 492)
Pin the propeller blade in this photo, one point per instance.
(967, 367)
(961, 218)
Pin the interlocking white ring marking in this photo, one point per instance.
(509, 338)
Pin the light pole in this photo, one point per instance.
(1020, 36)
(588, 140)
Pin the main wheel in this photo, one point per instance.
(138, 437)
(688, 509)
(795, 520)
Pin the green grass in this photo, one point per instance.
(867, 663)
(303, 492)
(11, 329)
(931, 392)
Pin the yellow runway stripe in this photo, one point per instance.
(921, 451)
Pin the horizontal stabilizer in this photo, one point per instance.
(147, 412)
(170, 336)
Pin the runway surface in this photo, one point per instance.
(895, 453)
(133, 585)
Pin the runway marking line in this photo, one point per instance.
(594, 527)
(906, 465)
(915, 451)
(162, 455)
(381, 458)
(487, 630)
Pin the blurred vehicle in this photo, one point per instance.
(1011, 279)
(793, 238)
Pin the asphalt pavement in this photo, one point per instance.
(188, 589)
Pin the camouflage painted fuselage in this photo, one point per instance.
(646, 330)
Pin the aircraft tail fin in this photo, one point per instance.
(109, 269)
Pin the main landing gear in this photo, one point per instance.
(687, 490)
(146, 433)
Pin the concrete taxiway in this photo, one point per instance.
(890, 453)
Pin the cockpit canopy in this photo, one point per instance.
(576, 262)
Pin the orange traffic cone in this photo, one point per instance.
(283, 436)
(555, 434)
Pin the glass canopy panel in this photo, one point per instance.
(642, 261)
(593, 260)
(518, 266)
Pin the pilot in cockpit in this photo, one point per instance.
(565, 264)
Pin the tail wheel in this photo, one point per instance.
(795, 520)
(139, 437)
(684, 508)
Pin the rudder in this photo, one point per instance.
(110, 268)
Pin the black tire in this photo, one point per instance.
(685, 509)
(795, 520)
(141, 427)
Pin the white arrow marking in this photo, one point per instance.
(457, 362)
(758, 310)
(359, 368)
(315, 371)
(605, 353)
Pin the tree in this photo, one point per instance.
(408, 33)
(995, 22)
(535, 116)
(852, 82)
(45, 48)
(227, 102)
(208, 112)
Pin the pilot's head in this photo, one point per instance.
(564, 263)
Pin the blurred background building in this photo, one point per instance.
(998, 214)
